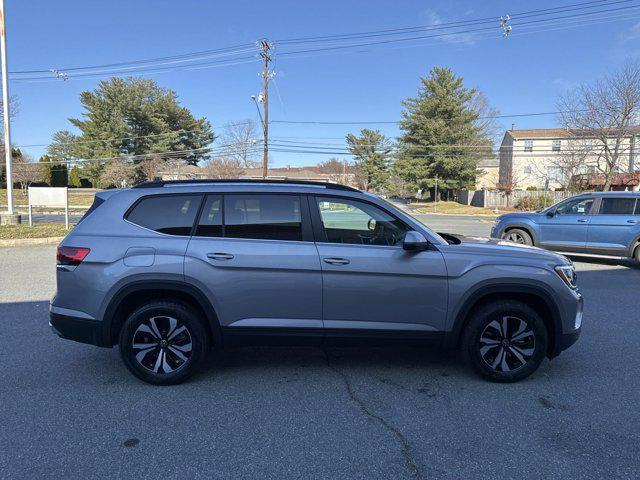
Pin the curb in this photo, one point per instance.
(19, 242)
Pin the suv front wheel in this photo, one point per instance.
(505, 341)
(163, 343)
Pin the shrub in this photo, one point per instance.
(532, 188)
(533, 202)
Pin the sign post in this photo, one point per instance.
(49, 197)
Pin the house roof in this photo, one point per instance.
(558, 133)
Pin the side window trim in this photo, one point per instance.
(318, 225)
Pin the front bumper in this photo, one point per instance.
(570, 333)
(78, 329)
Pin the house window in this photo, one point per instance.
(528, 145)
(554, 174)
(527, 169)
(555, 146)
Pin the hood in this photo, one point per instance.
(496, 246)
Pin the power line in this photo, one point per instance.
(365, 122)
(155, 65)
(448, 25)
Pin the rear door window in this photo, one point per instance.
(169, 214)
(263, 217)
(617, 206)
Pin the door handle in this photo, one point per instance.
(336, 261)
(220, 256)
(583, 220)
(632, 221)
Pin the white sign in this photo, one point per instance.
(49, 197)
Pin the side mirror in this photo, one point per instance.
(414, 241)
(551, 213)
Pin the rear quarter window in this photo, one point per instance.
(168, 214)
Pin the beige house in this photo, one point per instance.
(549, 158)
(488, 174)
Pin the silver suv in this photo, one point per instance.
(167, 270)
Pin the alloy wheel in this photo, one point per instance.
(507, 344)
(515, 237)
(162, 344)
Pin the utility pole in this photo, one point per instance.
(10, 217)
(266, 47)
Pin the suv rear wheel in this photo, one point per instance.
(163, 343)
(505, 341)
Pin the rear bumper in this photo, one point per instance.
(78, 329)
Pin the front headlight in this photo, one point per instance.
(568, 275)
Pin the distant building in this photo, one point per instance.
(549, 158)
(488, 174)
(178, 171)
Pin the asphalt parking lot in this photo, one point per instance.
(72, 410)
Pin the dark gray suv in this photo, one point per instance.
(168, 270)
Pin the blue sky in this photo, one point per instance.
(521, 74)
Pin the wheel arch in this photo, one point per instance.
(635, 244)
(132, 295)
(523, 226)
(533, 295)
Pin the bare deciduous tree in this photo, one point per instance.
(25, 172)
(333, 167)
(239, 141)
(118, 174)
(606, 112)
(224, 167)
(150, 167)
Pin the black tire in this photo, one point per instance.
(180, 337)
(517, 235)
(636, 255)
(486, 357)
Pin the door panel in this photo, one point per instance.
(369, 281)
(614, 227)
(265, 283)
(256, 257)
(384, 288)
(567, 229)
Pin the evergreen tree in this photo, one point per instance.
(371, 151)
(133, 116)
(439, 124)
(74, 177)
(54, 173)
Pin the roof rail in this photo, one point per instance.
(164, 183)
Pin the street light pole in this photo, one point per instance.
(10, 216)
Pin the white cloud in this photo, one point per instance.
(630, 35)
(432, 18)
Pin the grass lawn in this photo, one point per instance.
(39, 230)
(77, 197)
(452, 208)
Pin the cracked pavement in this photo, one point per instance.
(72, 410)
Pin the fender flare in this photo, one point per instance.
(150, 285)
(534, 289)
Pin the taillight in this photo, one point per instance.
(71, 255)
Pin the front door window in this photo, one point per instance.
(353, 222)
